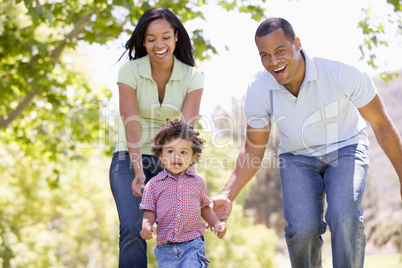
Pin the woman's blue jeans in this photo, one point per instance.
(133, 249)
(341, 176)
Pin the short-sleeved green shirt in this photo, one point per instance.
(137, 74)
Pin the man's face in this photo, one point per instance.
(281, 57)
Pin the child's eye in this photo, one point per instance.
(183, 152)
(170, 151)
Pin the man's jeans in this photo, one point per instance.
(341, 176)
(186, 254)
(133, 249)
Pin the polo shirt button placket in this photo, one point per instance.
(179, 206)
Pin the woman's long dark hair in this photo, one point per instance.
(183, 50)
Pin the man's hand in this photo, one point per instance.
(222, 207)
(138, 184)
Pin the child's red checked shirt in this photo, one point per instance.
(177, 204)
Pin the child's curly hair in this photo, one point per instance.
(177, 129)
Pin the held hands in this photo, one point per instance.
(222, 206)
(138, 184)
(148, 231)
(219, 229)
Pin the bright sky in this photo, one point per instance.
(327, 28)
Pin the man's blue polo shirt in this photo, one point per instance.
(324, 116)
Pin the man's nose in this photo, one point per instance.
(274, 60)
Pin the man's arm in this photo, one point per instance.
(246, 167)
(385, 132)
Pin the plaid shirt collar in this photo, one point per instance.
(166, 174)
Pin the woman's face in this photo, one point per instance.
(160, 41)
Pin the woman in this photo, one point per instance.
(159, 82)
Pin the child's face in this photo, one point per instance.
(177, 155)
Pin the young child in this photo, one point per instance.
(176, 198)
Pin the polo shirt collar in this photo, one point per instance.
(311, 68)
(145, 68)
(165, 174)
(310, 75)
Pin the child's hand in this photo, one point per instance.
(219, 229)
(148, 232)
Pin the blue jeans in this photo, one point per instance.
(133, 249)
(182, 255)
(341, 176)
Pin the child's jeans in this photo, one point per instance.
(185, 254)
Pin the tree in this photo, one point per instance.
(51, 114)
(378, 31)
(45, 103)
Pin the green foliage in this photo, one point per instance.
(54, 212)
(377, 32)
(70, 225)
(44, 101)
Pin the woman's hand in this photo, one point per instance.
(138, 184)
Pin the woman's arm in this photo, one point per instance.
(191, 107)
(131, 121)
(191, 110)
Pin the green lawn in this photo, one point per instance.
(372, 261)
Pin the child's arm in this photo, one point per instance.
(148, 229)
(209, 216)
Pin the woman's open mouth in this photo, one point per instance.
(161, 53)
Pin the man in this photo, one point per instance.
(319, 107)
